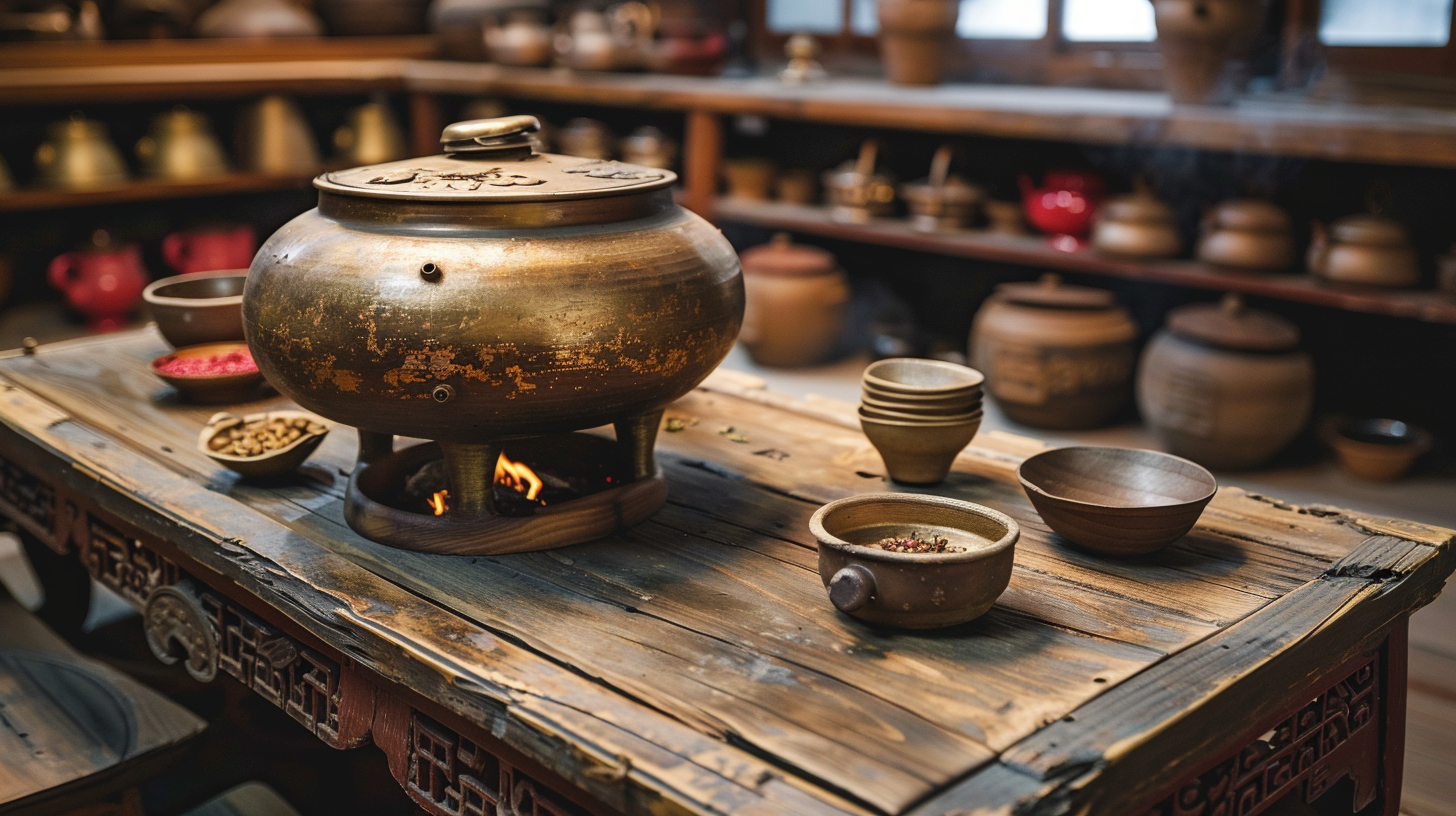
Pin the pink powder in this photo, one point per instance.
(216, 365)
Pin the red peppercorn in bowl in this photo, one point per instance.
(211, 373)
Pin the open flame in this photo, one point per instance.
(515, 475)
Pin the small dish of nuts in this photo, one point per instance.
(266, 444)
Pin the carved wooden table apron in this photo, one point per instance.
(694, 665)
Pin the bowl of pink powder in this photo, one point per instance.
(212, 373)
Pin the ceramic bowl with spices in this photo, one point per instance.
(1116, 501)
(264, 444)
(202, 307)
(211, 373)
(917, 562)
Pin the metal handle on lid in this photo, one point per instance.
(503, 137)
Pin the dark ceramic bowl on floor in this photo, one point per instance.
(1377, 450)
(203, 307)
(913, 590)
(1117, 501)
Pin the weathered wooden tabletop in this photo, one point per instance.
(695, 661)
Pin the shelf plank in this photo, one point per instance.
(84, 53)
(149, 190)
(1034, 251)
(1273, 124)
(135, 83)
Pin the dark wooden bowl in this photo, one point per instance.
(1117, 501)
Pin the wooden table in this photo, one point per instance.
(694, 665)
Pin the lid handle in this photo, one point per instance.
(506, 137)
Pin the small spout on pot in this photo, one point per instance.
(851, 588)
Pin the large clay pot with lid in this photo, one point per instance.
(915, 39)
(1199, 40)
(1225, 385)
(1247, 233)
(489, 294)
(1364, 249)
(1055, 356)
(1136, 225)
(795, 300)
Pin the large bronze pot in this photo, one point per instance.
(493, 293)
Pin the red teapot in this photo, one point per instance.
(1064, 205)
(102, 282)
(210, 250)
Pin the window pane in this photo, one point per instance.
(1108, 21)
(1385, 22)
(864, 17)
(807, 16)
(1003, 19)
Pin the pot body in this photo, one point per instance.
(1199, 38)
(1365, 264)
(915, 38)
(181, 147)
(102, 284)
(1065, 204)
(274, 138)
(1136, 239)
(1051, 367)
(370, 135)
(515, 331)
(792, 321)
(78, 155)
(1220, 407)
(1247, 249)
(524, 39)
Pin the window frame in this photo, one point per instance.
(1301, 28)
(1050, 60)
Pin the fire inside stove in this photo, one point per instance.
(509, 473)
(540, 476)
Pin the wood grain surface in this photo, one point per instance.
(702, 640)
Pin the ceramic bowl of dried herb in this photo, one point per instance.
(911, 561)
(261, 445)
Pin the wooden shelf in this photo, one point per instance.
(1034, 251)
(1273, 124)
(146, 190)
(81, 53)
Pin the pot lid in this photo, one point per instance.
(1369, 229)
(782, 257)
(492, 160)
(1230, 324)
(1252, 214)
(1049, 291)
(1140, 207)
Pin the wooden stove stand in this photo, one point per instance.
(1264, 656)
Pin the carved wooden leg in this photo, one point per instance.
(638, 437)
(1392, 724)
(66, 584)
(470, 472)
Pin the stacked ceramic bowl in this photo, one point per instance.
(919, 414)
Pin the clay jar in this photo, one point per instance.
(1199, 38)
(1364, 249)
(1055, 356)
(795, 300)
(1247, 234)
(1224, 385)
(915, 39)
(1136, 225)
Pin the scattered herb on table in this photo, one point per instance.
(733, 435)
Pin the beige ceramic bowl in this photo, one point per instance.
(924, 419)
(203, 307)
(913, 590)
(918, 452)
(1377, 450)
(925, 409)
(916, 377)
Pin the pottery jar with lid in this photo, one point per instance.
(1055, 356)
(1247, 233)
(796, 297)
(941, 201)
(856, 192)
(1136, 225)
(1225, 385)
(492, 293)
(1364, 249)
